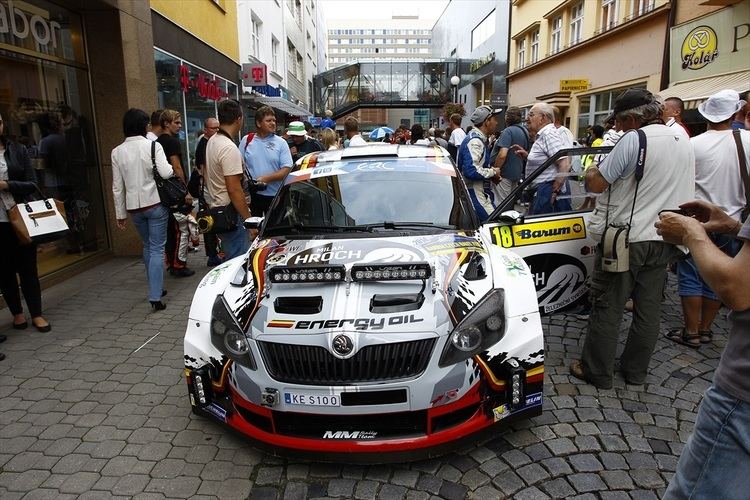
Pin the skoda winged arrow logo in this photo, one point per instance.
(342, 345)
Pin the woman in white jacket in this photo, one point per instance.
(135, 193)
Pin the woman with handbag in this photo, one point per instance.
(17, 183)
(135, 193)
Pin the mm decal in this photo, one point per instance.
(536, 233)
(350, 435)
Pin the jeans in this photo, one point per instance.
(151, 225)
(543, 203)
(715, 462)
(235, 243)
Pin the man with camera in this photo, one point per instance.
(652, 168)
(223, 180)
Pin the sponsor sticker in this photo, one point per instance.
(534, 399)
(350, 435)
(536, 233)
(500, 412)
(217, 411)
(699, 48)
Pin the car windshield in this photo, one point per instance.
(369, 201)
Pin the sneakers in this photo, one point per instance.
(183, 272)
(214, 260)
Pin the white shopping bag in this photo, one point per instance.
(39, 221)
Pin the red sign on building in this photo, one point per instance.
(207, 86)
(254, 75)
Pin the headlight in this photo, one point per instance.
(483, 327)
(227, 336)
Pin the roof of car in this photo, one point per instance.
(372, 157)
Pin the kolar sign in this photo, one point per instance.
(714, 44)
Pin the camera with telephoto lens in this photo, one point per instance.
(255, 186)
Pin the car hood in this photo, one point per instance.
(461, 264)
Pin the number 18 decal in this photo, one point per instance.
(502, 236)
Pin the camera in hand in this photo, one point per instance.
(254, 186)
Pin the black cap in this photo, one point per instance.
(631, 98)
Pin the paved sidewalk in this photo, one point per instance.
(98, 408)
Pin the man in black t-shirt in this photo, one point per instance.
(300, 144)
(178, 234)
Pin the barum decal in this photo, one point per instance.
(559, 280)
(536, 233)
(356, 323)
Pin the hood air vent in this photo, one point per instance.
(298, 305)
(383, 303)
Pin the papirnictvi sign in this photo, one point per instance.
(21, 24)
(711, 45)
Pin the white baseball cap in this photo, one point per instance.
(721, 106)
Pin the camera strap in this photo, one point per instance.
(640, 163)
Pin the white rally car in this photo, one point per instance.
(374, 314)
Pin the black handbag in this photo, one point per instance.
(172, 191)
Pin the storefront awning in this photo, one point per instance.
(283, 105)
(694, 92)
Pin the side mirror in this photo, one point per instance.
(253, 222)
(510, 217)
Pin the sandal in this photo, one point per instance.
(681, 336)
(706, 336)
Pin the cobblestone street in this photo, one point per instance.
(99, 408)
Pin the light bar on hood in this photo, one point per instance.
(322, 274)
(391, 272)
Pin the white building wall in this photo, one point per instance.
(269, 13)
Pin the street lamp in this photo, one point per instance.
(455, 80)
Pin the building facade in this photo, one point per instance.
(579, 55)
(407, 37)
(285, 37)
(196, 59)
(709, 50)
(71, 69)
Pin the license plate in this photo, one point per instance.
(301, 399)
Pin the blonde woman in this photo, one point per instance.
(330, 139)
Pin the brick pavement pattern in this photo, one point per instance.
(89, 411)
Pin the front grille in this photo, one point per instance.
(384, 425)
(314, 365)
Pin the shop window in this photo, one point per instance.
(594, 108)
(46, 107)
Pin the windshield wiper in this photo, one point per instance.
(329, 228)
(401, 225)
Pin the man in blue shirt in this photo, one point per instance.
(510, 165)
(267, 159)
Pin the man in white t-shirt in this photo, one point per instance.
(223, 176)
(351, 129)
(672, 115)
(717, 181)
(457, 134)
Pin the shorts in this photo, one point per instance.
(690, 283)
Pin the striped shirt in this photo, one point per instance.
(549, 140)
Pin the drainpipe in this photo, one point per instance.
(665, 63)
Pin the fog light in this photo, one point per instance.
(516, 378)
(236, 343)
(467, 339)
(269, 397)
